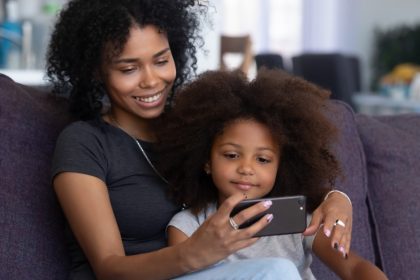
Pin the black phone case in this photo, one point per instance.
(289, 215)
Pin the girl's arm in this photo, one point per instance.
(86, 204)
(352, 267)
(175, 236)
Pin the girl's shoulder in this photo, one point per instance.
(199, 217)
(188, 222)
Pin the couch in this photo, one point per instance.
(380, 157)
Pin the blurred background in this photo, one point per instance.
(366, 52)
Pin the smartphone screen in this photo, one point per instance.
(289, 215)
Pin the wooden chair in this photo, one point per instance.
(236, 45)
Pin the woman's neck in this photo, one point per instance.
(135, 127)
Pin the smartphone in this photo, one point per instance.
(289, 215)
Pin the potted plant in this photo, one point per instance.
(396, 55)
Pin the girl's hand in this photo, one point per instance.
(335, 208)
(216, 238)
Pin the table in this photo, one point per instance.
(376, 104)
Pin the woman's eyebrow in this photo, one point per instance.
(131, 60)
(161, 52)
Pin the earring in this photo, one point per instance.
(207, 169)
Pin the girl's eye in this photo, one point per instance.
(231, 155)
(263, 160)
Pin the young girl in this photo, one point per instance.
(258, 139)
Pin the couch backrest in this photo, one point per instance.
(32, 244)
(392, 149)
(350, 153)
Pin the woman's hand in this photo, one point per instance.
(217, 238)
(336, 213)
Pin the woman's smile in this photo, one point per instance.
(152, 100)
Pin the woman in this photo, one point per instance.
(135, 53)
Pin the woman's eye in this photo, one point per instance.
(128, 70)
(162, 62)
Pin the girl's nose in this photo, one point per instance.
(245, 168)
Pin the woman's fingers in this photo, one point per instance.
(244, 237)
(217, 237)
(342, 233)
(252, 211)
(335, 214)
(222, 217)
(251, 230)
(227, 206)
(338, 231)
(339, 236)
(315, 224)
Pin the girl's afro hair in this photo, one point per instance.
(293, 109)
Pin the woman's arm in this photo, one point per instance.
(335, 207)
(351, 267)
(86, 204)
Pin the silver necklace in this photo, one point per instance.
(140, 148)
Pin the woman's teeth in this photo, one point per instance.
(149, 99)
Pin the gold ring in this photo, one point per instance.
(340, 223)
(233, 224)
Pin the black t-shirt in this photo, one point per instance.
(138, 195)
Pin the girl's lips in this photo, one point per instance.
(244, 186)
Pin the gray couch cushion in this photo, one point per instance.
(31, 236)
(392, 148)
(350, 153)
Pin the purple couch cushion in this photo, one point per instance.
(392, 147)
(350, 153)
(32, 244)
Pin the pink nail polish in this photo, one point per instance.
(267, 203)
(327, 232)
(270, 218)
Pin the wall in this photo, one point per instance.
(348, 26)
(345, 26)
(208, 56)
(331, 25)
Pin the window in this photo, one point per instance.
(274, 25)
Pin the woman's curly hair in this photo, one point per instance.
(292, 108)
(85, 27)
